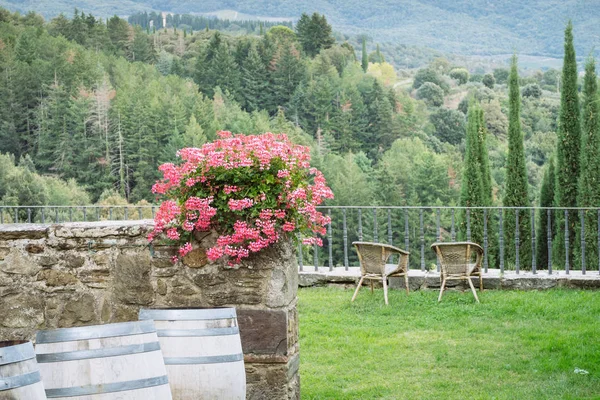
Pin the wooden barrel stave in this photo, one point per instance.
(126, 364)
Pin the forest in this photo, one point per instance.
(89, 108)
(449, 26)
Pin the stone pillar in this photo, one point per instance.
(54, 276)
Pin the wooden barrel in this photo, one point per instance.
(203, 352)
(19, 373)
(103, 362)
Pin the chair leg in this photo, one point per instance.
(385, 290)
(406, 282)
(472, 289)
(362, 278)
(480, 282)
(371, 280)
(442, 289)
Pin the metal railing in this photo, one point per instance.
(413, 228)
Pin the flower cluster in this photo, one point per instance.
(252, 190)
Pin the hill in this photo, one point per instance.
(469, 27)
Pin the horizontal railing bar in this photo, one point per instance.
(342, 207)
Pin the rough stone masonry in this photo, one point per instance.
(56, 276)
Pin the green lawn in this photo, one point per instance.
(513, 345)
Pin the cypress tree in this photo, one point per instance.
(589, 182)
(546, 200)
(516, 190)
(365, 57)
(567, 152)
(471, 191)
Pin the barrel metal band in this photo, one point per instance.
(20, 381)
(204, 360)
(98, 353)
(187, 315)
(106, 387)
(197, 332)
(95, 332)
(17, 353)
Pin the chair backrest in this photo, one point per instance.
(457, 258)
(373, 256)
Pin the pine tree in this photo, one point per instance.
(471, 193)
(516, 189)
(589, 181)
(365, 57)
(255, 81)
(546, 200)
(567, 153)
(314, 33)
(287, 75)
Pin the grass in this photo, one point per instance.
(513, 345)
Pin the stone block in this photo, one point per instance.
(221, 286)
(263, 332)
(196, 258)
(78, 311)
(21, 310)
(47, 261)
(283, 285)
(73, 261)
(56, 278)
(34, 248)
(20, 264)
(131, 284)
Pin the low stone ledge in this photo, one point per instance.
(493, 279)
(23, 231)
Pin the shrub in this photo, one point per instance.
(489, 80)
(460, 74)
(251, 189)
(532, 90)
(431, 93)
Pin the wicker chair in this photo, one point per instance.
(456, 263)
(372, 257)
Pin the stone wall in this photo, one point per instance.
(54, 276)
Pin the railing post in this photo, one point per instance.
(501, 240)
(452, 229)
(406, 231)
(345, 233)
(438, 236)
(549, 232)
(598, 248)
(16, 215)
(517, 241)
(110, 215)
(567, 242)
(28, 215)
(97, 213)
(153, 212)
(422, 239)
(2, 216)
(582, 222)
(360, 232)
(43, 215)
(56, 215)
(84, 213)
(126, 213)
(316, 256)
(139, 212)
(375, 238)
(330, 240)
(300, 256)
(70, 214)
(485, 241)
(389, 226)
(533, 260)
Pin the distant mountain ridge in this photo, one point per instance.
(456, 26)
